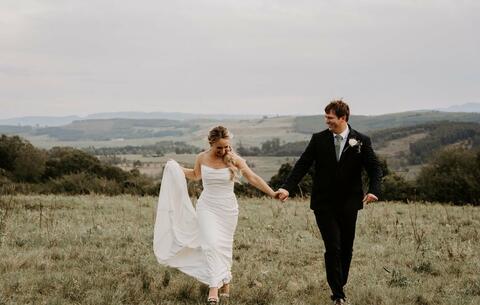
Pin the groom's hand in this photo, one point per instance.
(283, 194)
(369, 198)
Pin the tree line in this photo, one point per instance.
(438, 136)
(273, 147)
(27, 169)
(452, 175)
(158, 149)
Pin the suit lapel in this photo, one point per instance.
(351, 135)
(330, 141)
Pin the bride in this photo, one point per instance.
(199, 242)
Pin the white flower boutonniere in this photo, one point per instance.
(355, 143)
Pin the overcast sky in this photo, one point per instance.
(61, 57)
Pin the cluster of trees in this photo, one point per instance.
(452, 175)
(157, 149)
(442, 135)
(25, 169)
(71, 134)
(273, 147)
(382, 137)
(439, 135)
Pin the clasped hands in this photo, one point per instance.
(282, 194)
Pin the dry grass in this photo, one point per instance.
(98, 250)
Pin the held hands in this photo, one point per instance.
(274, 194)
(281, 194)
(369, 198)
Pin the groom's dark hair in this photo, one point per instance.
(340, 108)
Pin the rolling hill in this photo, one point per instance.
(309, 124)
(54, 121)
(468, 107)
(248, 132)
(108, 129)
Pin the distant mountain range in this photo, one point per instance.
(40, 120)
(468, 107)
(192, 131)
(141, 128)
(52, 121)
(368, 123)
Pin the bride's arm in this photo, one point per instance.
(253, 178)
(194, 174)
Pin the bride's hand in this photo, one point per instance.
(229, 158)
(275, 195)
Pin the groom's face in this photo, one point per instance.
(335, 124)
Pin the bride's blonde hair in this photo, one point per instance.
(216, 134)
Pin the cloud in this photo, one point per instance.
(257, 55)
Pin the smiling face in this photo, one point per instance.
(221, 147)
(335, 124)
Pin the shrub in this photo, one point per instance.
(395, 187)
(452, 176)
(304, 188)
(67, 160)
(20, 160)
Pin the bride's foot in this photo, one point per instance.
(212, 296)
(225, 290)
(212, 301)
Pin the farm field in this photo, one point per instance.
(248, 132)
(264, 166)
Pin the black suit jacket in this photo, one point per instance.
(337, 184)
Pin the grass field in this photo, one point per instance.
(98, 250)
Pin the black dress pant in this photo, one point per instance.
(338, 232)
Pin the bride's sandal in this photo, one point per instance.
(224, 291)
(212, 301)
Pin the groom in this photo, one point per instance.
(339, 154)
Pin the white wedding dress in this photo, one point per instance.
(197, 242)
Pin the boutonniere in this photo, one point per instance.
(355, 143)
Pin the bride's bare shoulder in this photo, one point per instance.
(201, 155)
